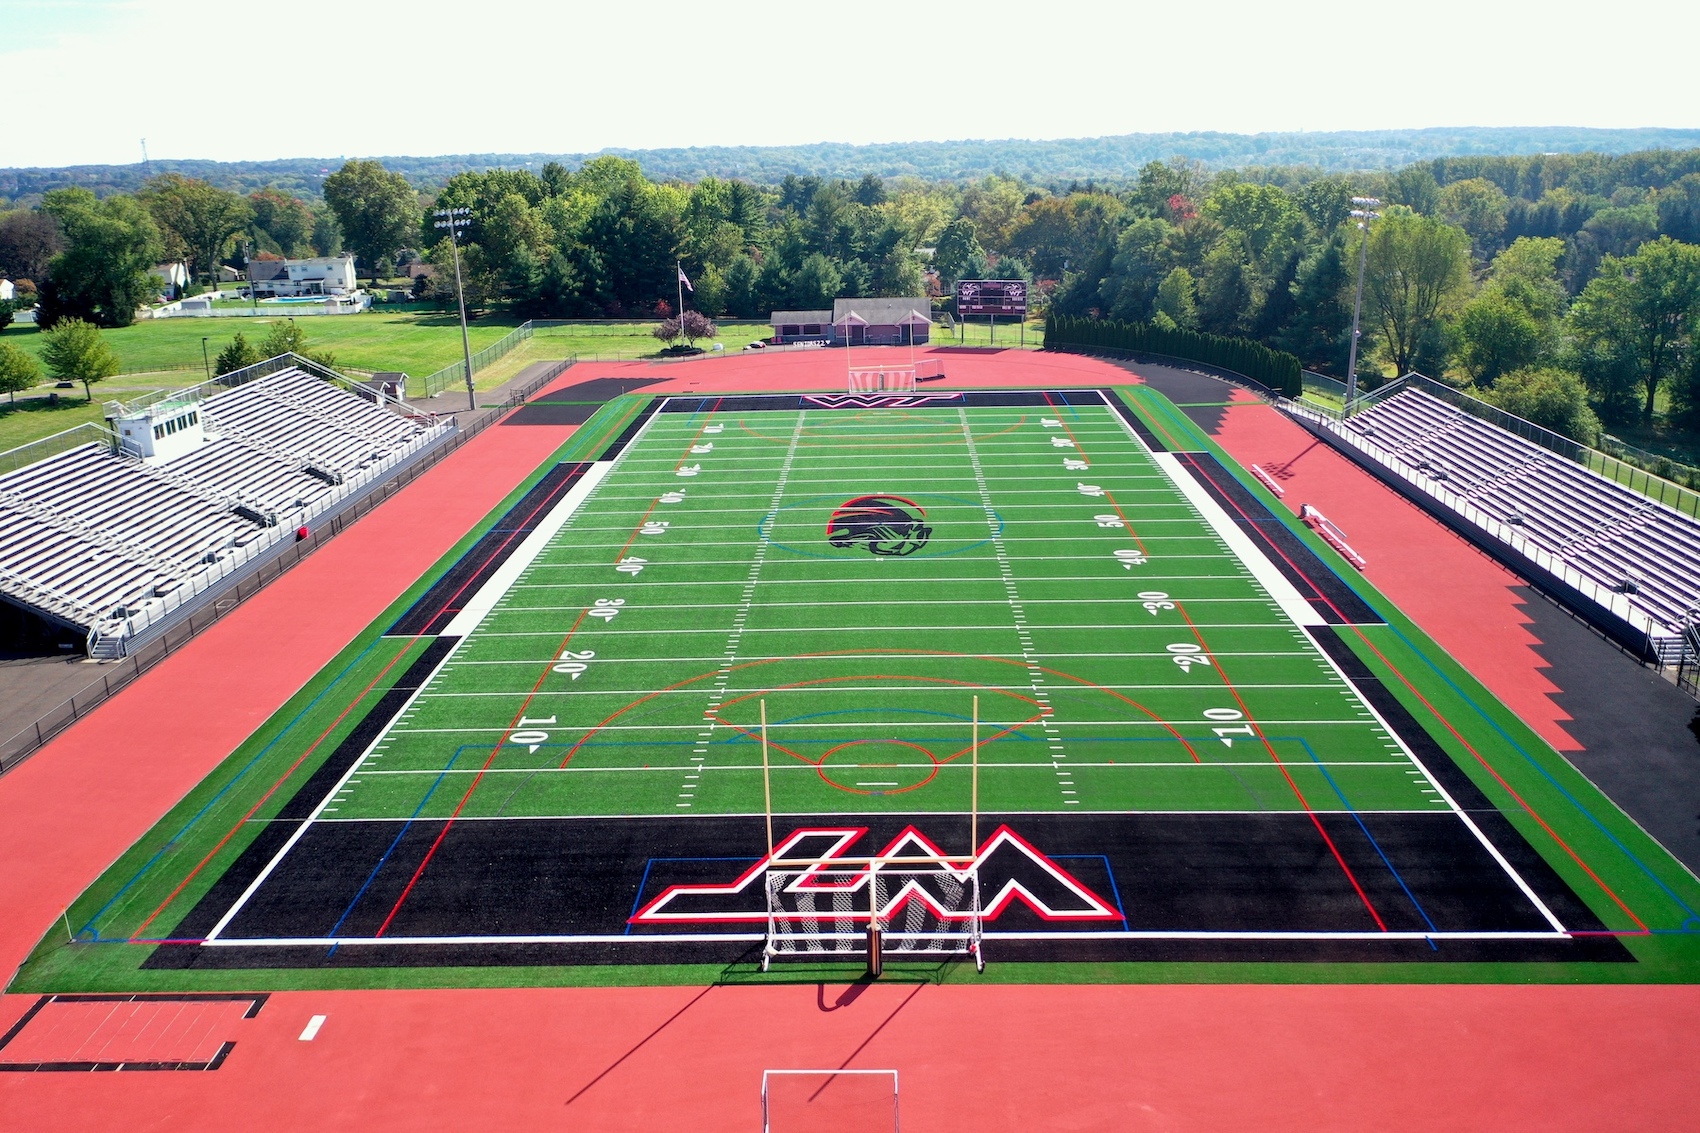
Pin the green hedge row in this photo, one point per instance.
(1276, 369)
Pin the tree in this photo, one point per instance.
(1416, 267)
(1633, 321)
(1552, 399)
(376, 210)
(283, 337)
(7, 308)
(690, 326)
(285, 221)
(74, 351)
(102, 275)
(238, 355)
(1478, 206)
(18, 371)
(1416, 189)
(816, 284)
(197, 219)
(956, 248)
(1320, 330)
(1175, 300)
(1496, 336)
(28, 240)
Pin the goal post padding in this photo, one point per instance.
(829, 1101)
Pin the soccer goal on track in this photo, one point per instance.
(829, 1101)
(893, 380)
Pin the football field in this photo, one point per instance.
(998, 629)
(652, 720)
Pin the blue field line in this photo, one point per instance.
(643, 884)
(1062, 395)
(1350, 809)
(1115, 890)
(197, 816)
(1693, 917)
(406, 826)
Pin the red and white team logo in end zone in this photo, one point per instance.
(1011, 869)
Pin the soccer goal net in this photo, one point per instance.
(909, 907)
(829, 1101)
(899, 380)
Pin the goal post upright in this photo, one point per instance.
(974, 781)
(766, 782)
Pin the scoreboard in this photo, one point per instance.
(991, 297)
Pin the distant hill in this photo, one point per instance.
(1068, 159)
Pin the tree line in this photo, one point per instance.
(1565, 287)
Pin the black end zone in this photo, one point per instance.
(1203, 887)
(1315, 580)
(438, 605)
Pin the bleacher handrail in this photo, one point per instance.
(87, 433)
(200, 391)
(1639, 480)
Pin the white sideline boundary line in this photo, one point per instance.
(718, 937)
(498, 584)
(1272, 580)
(1493, 851)
(336, 789)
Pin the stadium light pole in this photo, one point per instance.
(454, 220)
(1364, 212)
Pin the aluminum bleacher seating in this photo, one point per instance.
(1613, 536)
(111, 542)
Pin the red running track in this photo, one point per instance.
(1464, 600)
(983, 1058)
(971, 1060)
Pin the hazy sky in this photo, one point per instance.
(86, 79)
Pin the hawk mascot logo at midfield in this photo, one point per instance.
(885, 525)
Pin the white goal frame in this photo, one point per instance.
(766, 1114)
(891, 379)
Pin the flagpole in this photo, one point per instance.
(679, 270)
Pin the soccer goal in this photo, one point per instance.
(897, 380)
(907, 902)
(829, 1101)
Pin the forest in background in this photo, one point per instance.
(1564, 287)
(1110, 160)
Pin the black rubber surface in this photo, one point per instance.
(631, 430)
(1136, 423)
(1315, 580)
(1638, 745)
(1193, 873)
(438, 605)
(552, 413)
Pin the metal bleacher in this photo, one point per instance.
(1616, 539)
(99, 538)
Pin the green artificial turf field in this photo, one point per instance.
(1192, 760)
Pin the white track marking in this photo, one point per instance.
(1272, 580)
(311, 1030)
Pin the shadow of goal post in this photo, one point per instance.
(829, 1101)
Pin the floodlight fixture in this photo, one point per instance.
(456, 219)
